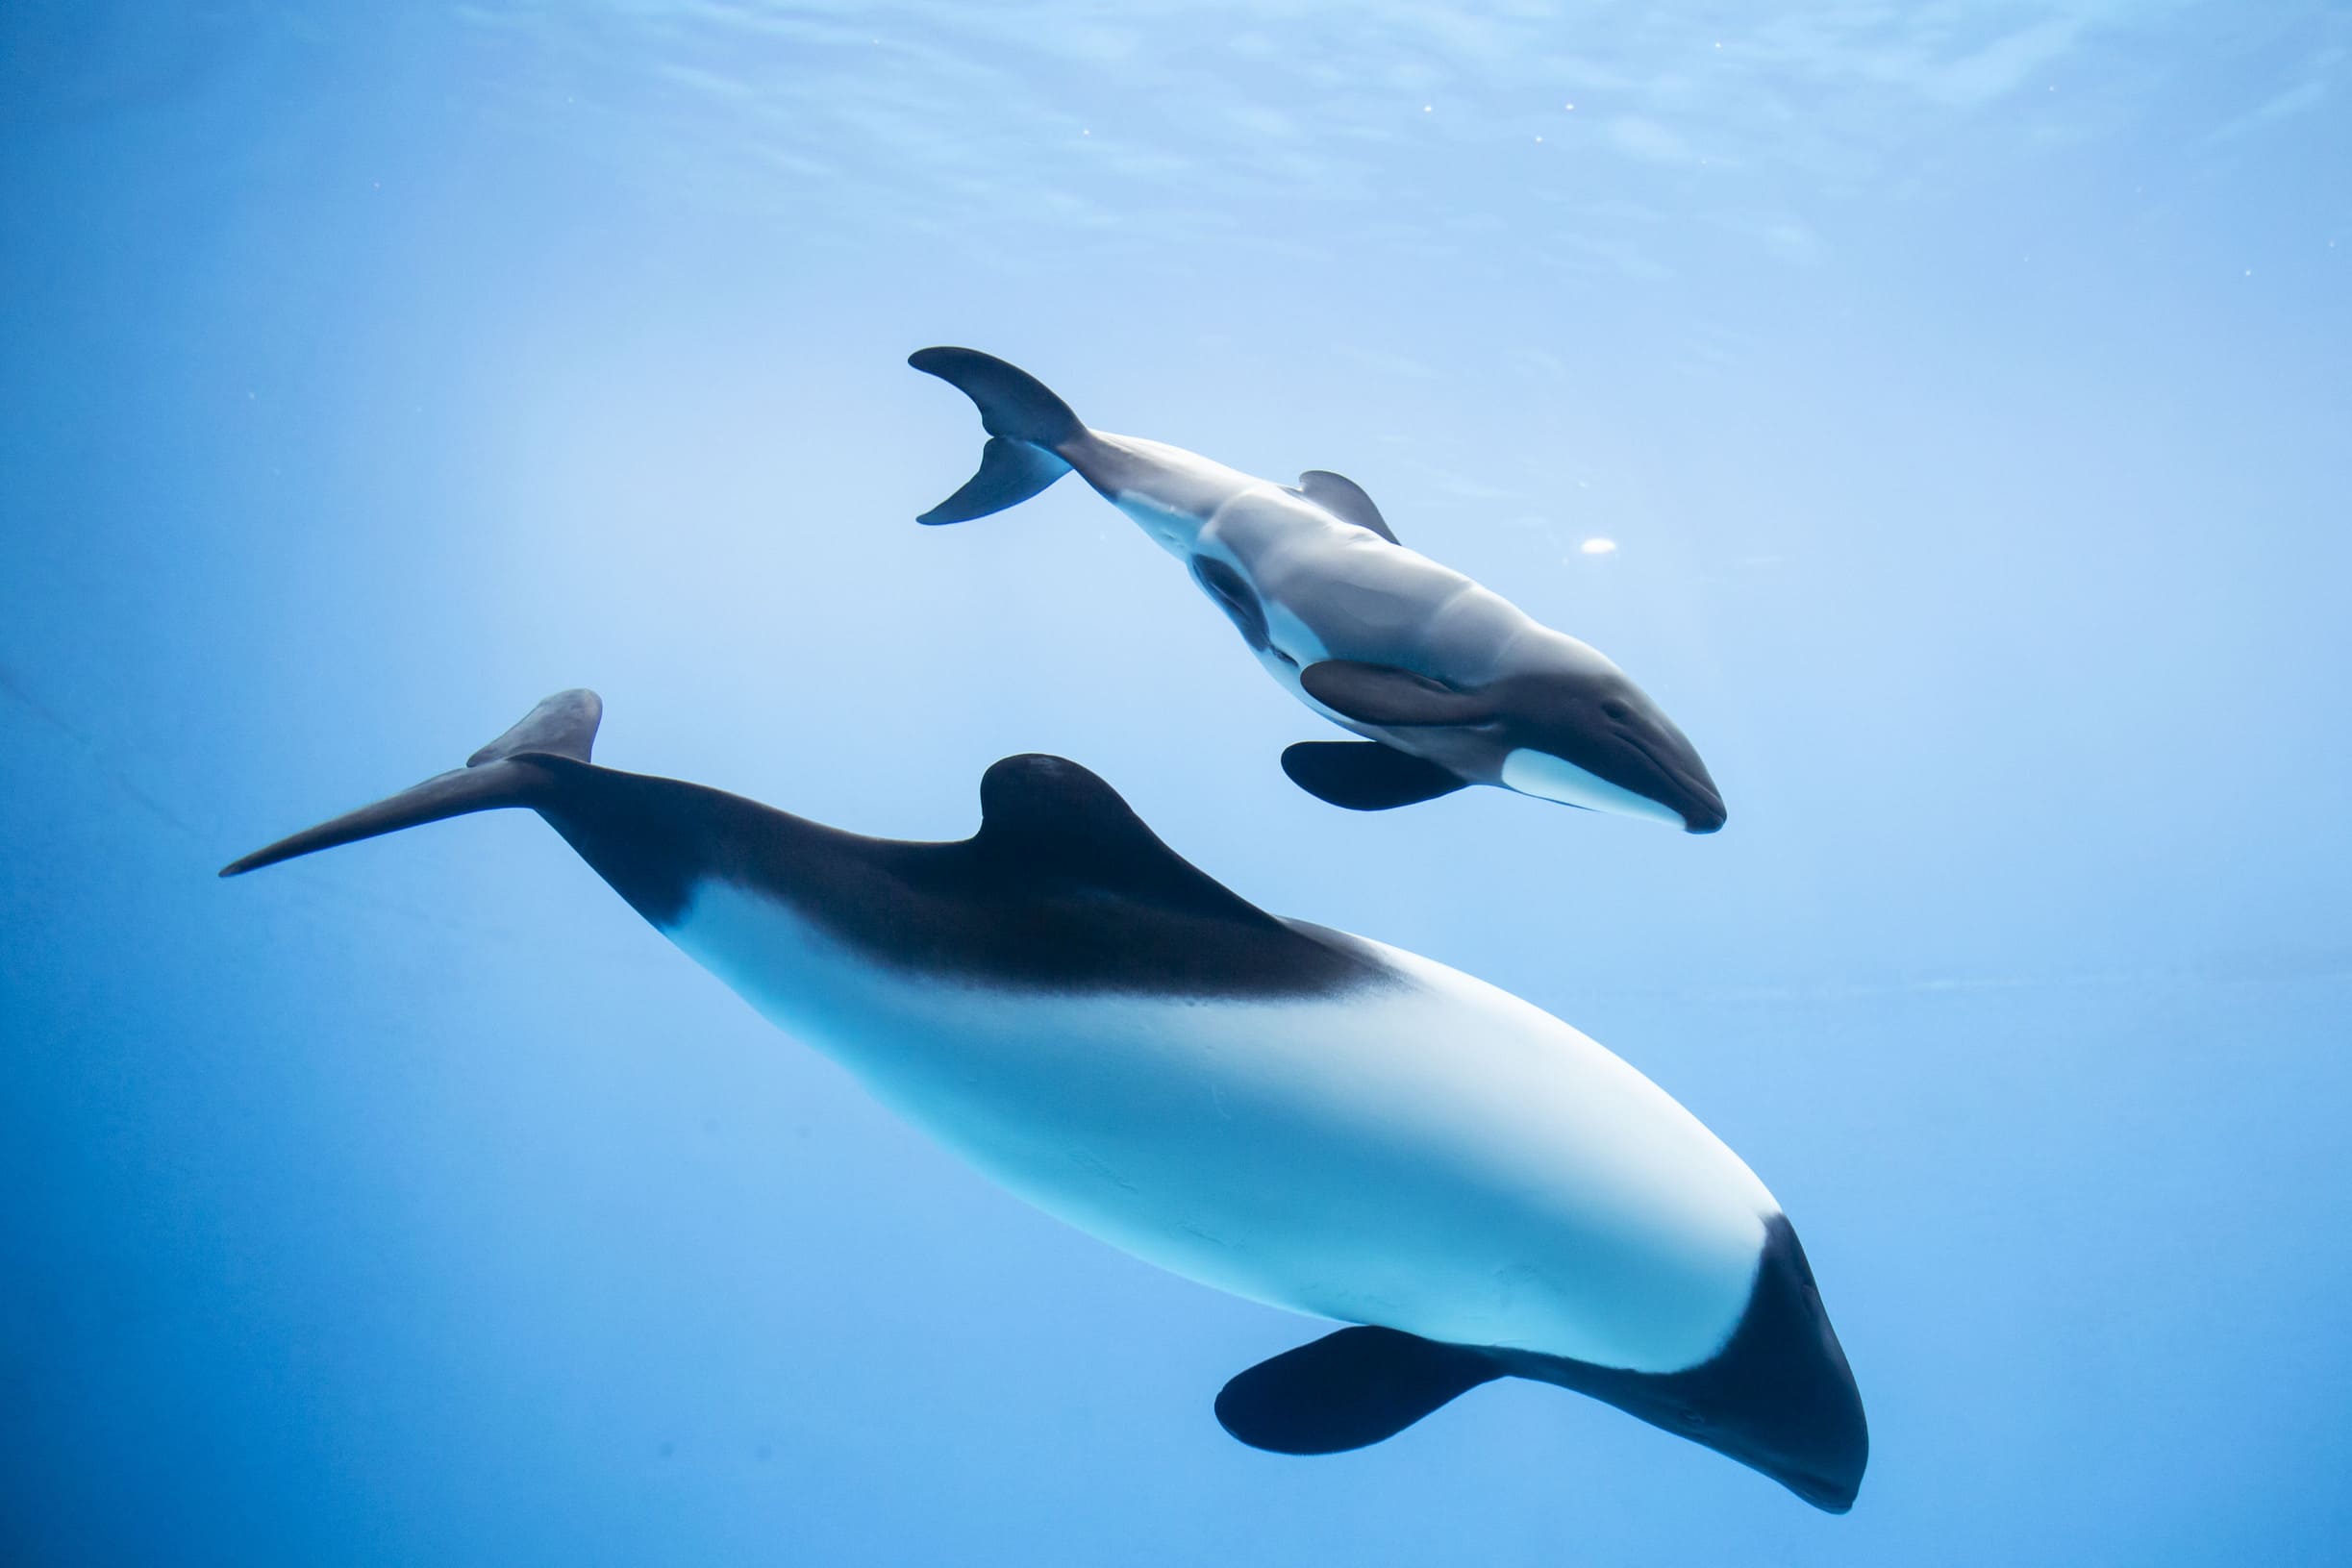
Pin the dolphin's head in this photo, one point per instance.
(1591, 738)
(1778, 1397)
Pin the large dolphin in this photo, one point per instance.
(1296, 1115)
(1451, 684)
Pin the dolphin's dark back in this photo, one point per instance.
(1062, 888)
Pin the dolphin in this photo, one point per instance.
(1298, 1117)
(1450, 684)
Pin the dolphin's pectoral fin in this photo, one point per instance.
(1221, 583)
(1385, 695)
(1345, 499)
(1365, 774)
(1347, 1390)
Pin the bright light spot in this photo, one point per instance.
(1424, 109)
(1567, 106)
(1540, 138)
(1599, 547)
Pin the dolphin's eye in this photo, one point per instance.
(1616, 710)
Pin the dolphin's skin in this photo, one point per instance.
(1450, 684)
(1295, 1115)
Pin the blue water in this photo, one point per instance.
(1963, 388)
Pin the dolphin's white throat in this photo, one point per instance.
(1434, 1155)
(1551, 778)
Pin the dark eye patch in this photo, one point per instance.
(1234, 597)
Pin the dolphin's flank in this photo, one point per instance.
(1302, 1117)
(1449, 683)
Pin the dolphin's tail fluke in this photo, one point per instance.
(500, 774)
(1028, 426)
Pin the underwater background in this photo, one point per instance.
(1965, 387)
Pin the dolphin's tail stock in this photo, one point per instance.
(1027, 428)
(505, 772)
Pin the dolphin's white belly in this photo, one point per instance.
(1435, 1155)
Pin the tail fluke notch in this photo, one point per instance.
(1028, 426)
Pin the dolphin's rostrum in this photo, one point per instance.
(1299, 1116)
(1451, 684)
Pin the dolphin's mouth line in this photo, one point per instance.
(1686, 791)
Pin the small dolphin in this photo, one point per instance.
(1298, 1117)
(1452, 684)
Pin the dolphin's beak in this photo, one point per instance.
(1687, 790)
(1704, 813)
(1668, 771)
(1701, 802)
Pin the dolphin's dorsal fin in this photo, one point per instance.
(1047, 818)
(1345, 499)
